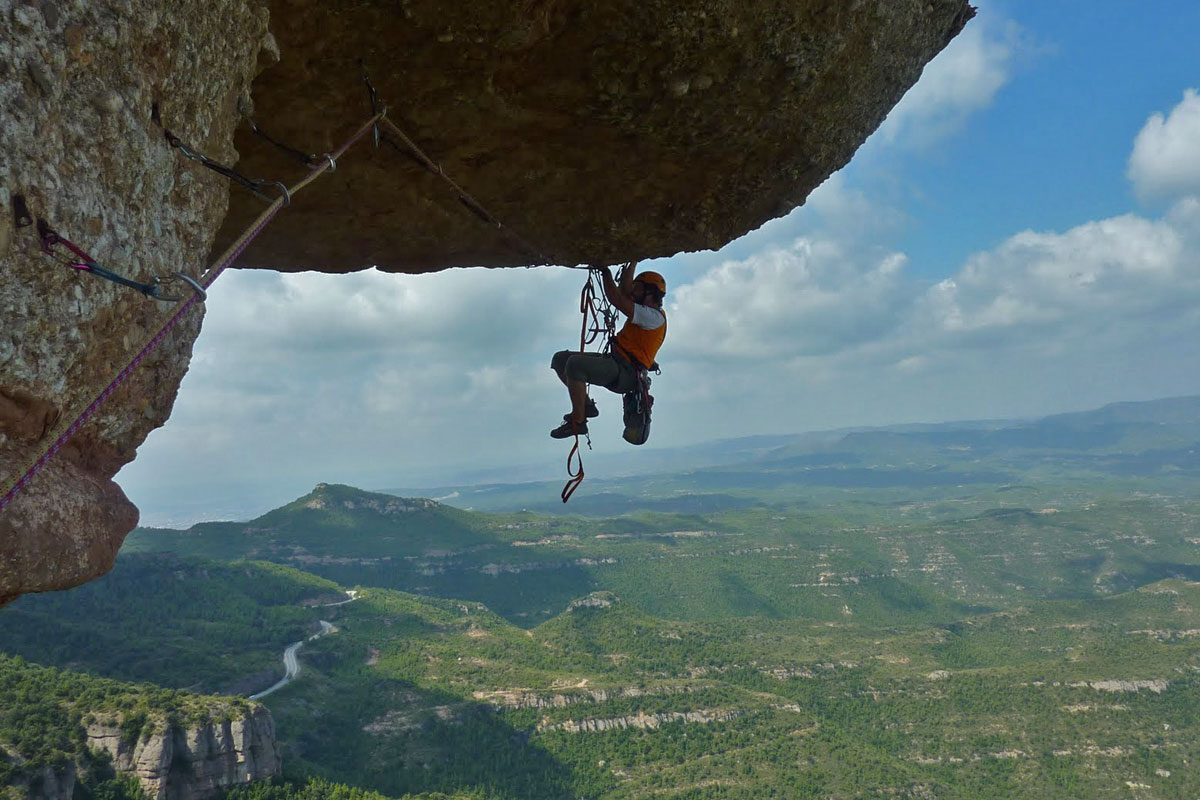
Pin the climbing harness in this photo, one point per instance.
(65, 429)
(169, 288)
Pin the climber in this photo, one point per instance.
(640, 300)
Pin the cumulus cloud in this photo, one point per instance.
(963, 79)
(382, 380)
(368, 378)
(818, 335)
(810, 298)
(1165, 162)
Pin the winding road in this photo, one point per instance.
(291, 665)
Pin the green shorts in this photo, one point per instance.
(599, 369)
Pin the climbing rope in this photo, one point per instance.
(69, 424)
(409, 149)
(599, 320)
(599, 316)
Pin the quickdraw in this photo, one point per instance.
(308, 159)
(168, 288)
(255, 185)
(409, 149)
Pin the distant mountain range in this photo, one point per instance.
(1121, 440)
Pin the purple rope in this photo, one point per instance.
(130, 367)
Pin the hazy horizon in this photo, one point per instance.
(173, 512)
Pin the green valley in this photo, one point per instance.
(969, 612)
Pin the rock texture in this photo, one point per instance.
(181, 763)
(641, 720)
(596, 131)
(78, 82)
(322, 499)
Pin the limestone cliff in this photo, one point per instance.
(597, 131)
(78, 82)
(171, 761)
(174, 762)
(51, 783)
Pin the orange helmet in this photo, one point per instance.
(653, 279)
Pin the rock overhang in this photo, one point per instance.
(595, 132)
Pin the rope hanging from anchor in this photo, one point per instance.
(599, 320)
(599, 316)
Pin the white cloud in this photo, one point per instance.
(810, 298)
(963, 79)
(818, 335)
(381, 380)
(1165, 162)
(370, 378)
(1096, 273)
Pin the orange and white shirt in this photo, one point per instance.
(642, 334)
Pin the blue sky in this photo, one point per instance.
(1020, 237)
(1047, 154)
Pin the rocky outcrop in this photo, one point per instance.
(527, 698)
(173, 762)
(50, 783)
(641, 720)
(595, 600)
(78, 83)
(321, 499)
(596, 131)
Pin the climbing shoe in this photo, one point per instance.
(589, 410)
(569, 429)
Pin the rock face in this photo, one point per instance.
(596, 132)
(78, 82)
(176, 763)
(51, 784)
(641, 720)
(322, 499)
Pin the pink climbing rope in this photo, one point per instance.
(214, 272)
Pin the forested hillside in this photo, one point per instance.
(1006, 621)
